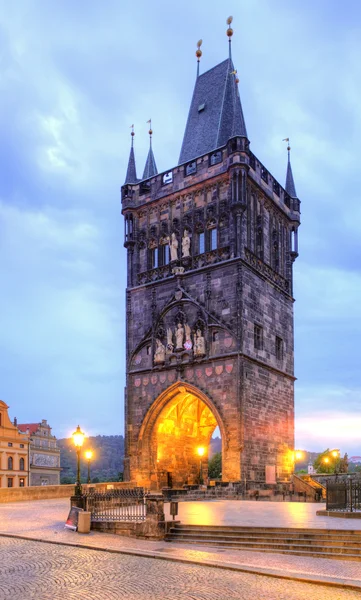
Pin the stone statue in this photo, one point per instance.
(188, 343)
(179, 334)
(199, 344)
(159, 355)
(170, 345)
(173, 247)
(186, 244)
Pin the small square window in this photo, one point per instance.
(279, 348)
(215, 158)
(10, 444)
(22, 446)
(258, 337)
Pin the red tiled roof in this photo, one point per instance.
(33, 427)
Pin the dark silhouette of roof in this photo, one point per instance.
(131, 176)
(215, 114)
(290, 184)
(150, 168)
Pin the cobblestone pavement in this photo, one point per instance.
(44, 520)
(52, 572)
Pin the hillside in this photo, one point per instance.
(105, 466)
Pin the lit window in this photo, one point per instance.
(21, 482)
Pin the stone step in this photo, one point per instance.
(296, 552)
(275, 545)
(269, 530)
(274, 539)
(329, 543)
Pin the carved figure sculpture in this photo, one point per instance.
(173, 247)
(188, 343)
(170, 345)
(179, 335)
(159, 355)
(199, 344)
(186, 244)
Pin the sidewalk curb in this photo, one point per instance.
(303, 578)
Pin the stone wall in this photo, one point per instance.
(47, 492)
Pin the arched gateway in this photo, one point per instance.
(209, 308)
(178, 424)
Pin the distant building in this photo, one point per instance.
(355, 459)
(14, 452)
(44, 454)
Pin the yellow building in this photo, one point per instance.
(14, 452)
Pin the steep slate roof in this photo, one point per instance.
(131, 176)
(150, 168)
(290, 184)
(222, 117)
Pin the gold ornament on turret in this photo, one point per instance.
(229, 30)
(199, 51)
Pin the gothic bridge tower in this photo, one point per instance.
(209, 304)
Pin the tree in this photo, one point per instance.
(215, 466)
(328, 462)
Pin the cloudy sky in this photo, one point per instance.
(73, 77)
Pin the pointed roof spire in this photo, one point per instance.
(198, 54)
(150, 168)
(216, 113)
(131, 176)
(290, 184)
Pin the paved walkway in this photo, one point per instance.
(46, 571)
(44, 520)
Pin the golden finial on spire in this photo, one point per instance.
(199, 51)
(150, 127)
(229, 30)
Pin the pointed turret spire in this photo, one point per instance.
(290, 184)
(131, 176)
(150, 168)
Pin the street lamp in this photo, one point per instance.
(78, 439)
(89, 456)
(200, 451)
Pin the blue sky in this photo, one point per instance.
(73, 78)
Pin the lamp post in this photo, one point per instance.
(200, 451)
(78, 439)
(89, 456)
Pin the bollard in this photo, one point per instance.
(84, 522)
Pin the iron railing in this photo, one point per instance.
(117, 505)
(344, 496)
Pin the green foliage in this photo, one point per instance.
(105, 466)
(332, 466)
(215, 466)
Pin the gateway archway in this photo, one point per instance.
(180, 423)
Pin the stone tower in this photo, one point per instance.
(209, 305)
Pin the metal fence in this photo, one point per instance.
(344, 496)
(117, 505)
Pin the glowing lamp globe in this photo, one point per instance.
(78, 437)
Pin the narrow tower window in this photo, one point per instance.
(279, 348)
(258, 337)
(201, 247)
